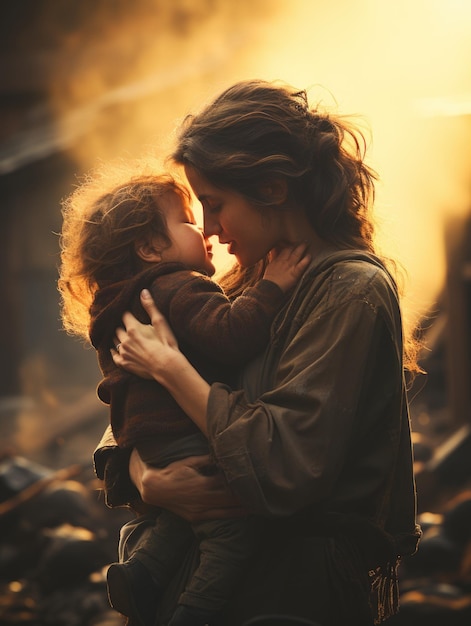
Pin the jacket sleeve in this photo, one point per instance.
(111, 465)
(105, 447)
(227, 332)
(288, 447)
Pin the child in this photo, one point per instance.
(142, 234)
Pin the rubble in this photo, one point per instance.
(57, 541)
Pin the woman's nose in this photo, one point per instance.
(211, 227)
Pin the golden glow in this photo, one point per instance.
(403, 66)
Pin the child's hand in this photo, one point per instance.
(287, 265)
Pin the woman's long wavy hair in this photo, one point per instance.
(101, 229)
(257, 131)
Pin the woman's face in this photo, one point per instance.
(249, 232)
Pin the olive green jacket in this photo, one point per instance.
(322, 422)
(317, 441)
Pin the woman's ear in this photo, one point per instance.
(274, 190)
(148, 252)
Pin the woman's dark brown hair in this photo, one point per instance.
(257, 131)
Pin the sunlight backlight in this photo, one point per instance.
(402, 66)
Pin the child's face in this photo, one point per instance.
(189, 245)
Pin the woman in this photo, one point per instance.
(316, 438)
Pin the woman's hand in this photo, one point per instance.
(144, 349)
(151, 351)
(183, 488)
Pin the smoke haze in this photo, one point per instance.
(123, 81)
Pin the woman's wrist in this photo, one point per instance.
(168, 367)
(187, 387)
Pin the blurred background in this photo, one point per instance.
(87, 81)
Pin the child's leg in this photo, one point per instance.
(135, 585)
(132, 592)
(163, 548)
(149, 557)
(133, 534)
(225, 549)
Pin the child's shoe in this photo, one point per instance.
(133, 592)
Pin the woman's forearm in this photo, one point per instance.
(187, 387)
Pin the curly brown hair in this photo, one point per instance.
(102, 225)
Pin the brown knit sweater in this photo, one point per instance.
(215, 334)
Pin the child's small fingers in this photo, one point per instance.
(304, 261)
(299, 251)
(299, 247)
